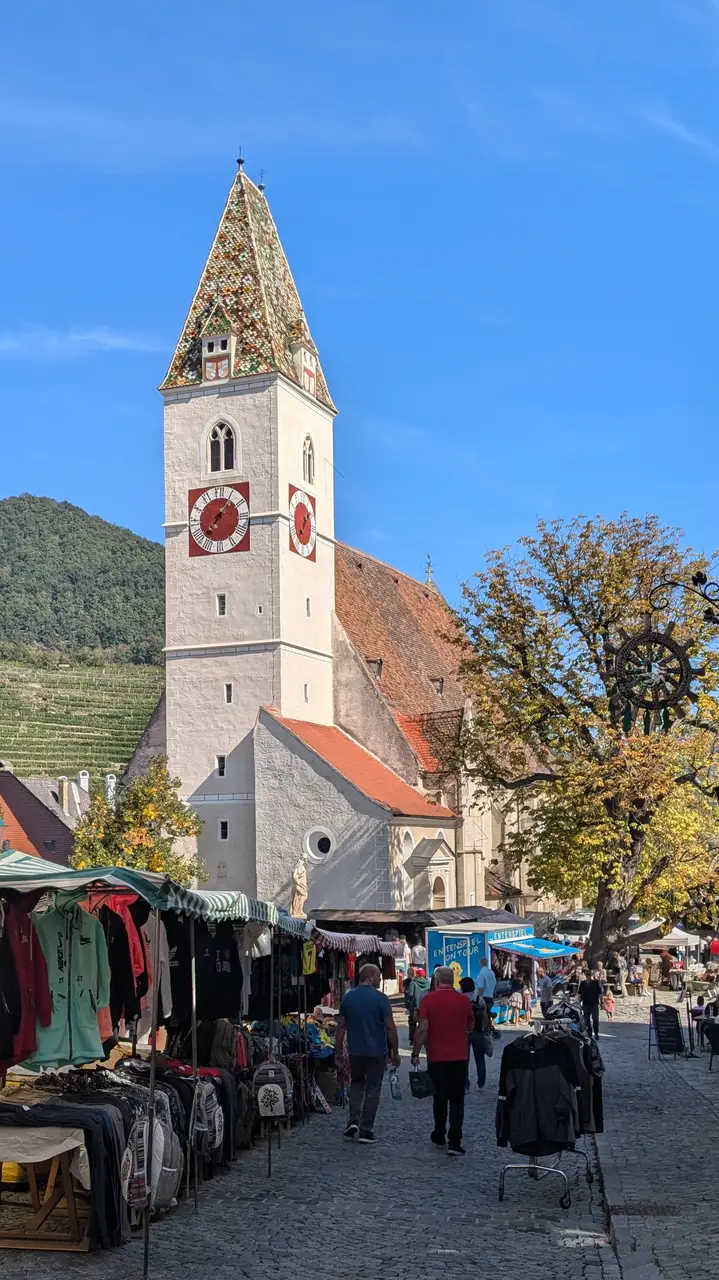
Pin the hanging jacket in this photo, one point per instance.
(75, 951)
(538, 1111)
(9, 999)
(161, 978)
(32, 983)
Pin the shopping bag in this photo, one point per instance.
(420, 1084)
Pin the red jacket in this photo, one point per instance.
(35, 1001)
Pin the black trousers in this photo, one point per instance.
(448, 1079)
(591, 1014)
(365, 1090)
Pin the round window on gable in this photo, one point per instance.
(319, 844)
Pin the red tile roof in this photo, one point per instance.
(413, 732)
(362, 769)
(407, 624)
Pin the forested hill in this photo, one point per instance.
(71, 582)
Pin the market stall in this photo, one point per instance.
(85, 959)
(462, 947)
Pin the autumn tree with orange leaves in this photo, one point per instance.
(142, 828)
(613, 810)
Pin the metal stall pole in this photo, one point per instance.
(151, 1100)
(268, 1121)
(279, 1018)
(304, 1045)
(193, 1012)
(301, 1065)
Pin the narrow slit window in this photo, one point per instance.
(309, 607)
(308, 462)
(260, 610)
(228, 693)
(220, 765)
(221, 600)
(224, 827)
(307, 693)
(229, 446)
(215, 450)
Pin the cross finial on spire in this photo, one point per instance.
(429, 578)
(240, 160)
(261, 185)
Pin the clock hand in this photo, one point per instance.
(214, 523)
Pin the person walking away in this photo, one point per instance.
(366, 1020)
(414, 992)
(482, 1027)
(446, 1019)
(714, 951)
(418, 956)
(545, 991)
(590, 994)
(486, 982)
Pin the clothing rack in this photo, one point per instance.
(537, 1172)
(27, 873)
(533, 1167)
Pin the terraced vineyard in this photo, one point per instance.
(59, 721)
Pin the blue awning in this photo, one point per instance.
(538, 948)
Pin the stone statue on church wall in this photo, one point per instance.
(300, 889)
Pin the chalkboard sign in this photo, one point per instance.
(664, 1022)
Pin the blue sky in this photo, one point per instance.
(502, 216)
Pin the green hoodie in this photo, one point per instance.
(75, 951)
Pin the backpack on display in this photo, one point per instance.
(207, 1122)
(270, 1080)
(167, 1166)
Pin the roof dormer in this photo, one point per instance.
(218, 346)
(304, 355)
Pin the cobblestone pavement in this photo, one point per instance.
(658, 1153)
(401, 1209)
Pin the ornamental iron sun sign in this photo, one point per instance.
(652, 669)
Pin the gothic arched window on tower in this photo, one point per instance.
(308, 462)
(222, 448)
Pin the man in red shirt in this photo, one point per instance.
(446, 1018)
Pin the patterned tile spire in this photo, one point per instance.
(246, 283)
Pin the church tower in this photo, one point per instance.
(249, 526)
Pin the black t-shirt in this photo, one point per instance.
(590, 991)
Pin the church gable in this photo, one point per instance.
(247, 283)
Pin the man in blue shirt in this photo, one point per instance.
(366, 1020)
(486, 982)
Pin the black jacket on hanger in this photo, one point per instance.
(538, 1111)
(9, 999)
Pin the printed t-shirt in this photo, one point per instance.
(365, 1009)
(450, 1017)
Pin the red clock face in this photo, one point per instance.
(303, 524)
(219, 519)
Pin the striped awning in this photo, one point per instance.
(358, 943)
(24, 873)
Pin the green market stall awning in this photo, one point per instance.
(24, 873)
(538, 948)
(212, 904)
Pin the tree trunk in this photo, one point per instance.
(609, 926)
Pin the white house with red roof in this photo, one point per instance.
(312, 704)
